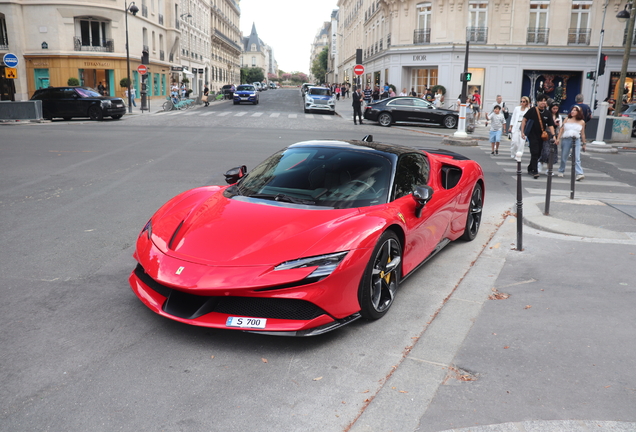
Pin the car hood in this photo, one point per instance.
(215, 230)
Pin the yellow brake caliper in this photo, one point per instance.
(387, 278)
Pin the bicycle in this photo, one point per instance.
(173, 103)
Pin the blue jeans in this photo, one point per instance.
(566, 146)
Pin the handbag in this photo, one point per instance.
(544, 133)
(204, 98)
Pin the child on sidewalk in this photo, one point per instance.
(497, 124)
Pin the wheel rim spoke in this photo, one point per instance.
(384, 275)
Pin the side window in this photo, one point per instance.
(69, 94)
(412, 171)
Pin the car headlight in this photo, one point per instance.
(310, 100)
(106, 103)
(147, 229)
(325, 264)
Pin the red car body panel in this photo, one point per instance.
(205, 244)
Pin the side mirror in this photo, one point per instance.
(421, 195)
(233, 175)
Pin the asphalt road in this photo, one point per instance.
(81, 352)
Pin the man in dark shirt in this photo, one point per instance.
(357, 104)
(539, 116)
(585, 108)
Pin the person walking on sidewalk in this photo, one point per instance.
(132, 95)
(357, 104)
(497, 124)
(572, 137)
(517, 144)
(476, 101)
(537, 131)
(206, 94)
(585, 108)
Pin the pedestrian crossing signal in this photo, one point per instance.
(465, 76)
(10, 73)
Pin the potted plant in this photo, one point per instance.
(72, 81)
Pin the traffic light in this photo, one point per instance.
(465, 76)
(590, 75)
(601, 64)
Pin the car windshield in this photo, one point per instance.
(84, 92)
(326, 177)
(245, 88)
(320, 91)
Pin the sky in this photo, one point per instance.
(288, 26)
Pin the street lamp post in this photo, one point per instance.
(624, 16)
(133, 9)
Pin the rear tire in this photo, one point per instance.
(473, 218)
(381, 277)
(385, 119)
(168, 106)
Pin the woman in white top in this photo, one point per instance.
(404, 92)
(572, 134)
(517, 144)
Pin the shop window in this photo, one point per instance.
(4, 40)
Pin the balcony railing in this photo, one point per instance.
(579, 36)
(171, 57)
(162, 56)
(388, 41)
(477, 34)
(160, 19)
(538, 36)
(106, 45)
(421, 36)
(144, 11)
(145, 49)
(4, 47)
(624, 38)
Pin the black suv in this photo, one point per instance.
(227, 91)
(69, 102)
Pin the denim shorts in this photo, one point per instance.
(495, 136)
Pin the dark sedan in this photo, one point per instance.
(407, 109)
(69, 102)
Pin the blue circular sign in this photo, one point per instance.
(10, 60)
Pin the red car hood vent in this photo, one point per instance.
(231, 232)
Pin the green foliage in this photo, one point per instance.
(124, 82)
(438, 89)
(250, 75)
(319, 66)
(72, 81)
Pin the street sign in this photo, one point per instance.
(142, 69)
(358, 69)
(10, 73)
(10, 60)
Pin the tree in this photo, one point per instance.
(250, 75)
(319, 66)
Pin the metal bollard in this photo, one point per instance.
(573, 174)
(548, 188)
(519, 203)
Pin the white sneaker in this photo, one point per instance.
(580, 177)
(560, 174)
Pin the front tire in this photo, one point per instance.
(450, 122)
(385, 119)
(473, 218)
(381, 277)
(95, 113)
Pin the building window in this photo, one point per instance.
(253, 47)
(422, 34)
(92, 35)
(538, 25)
(4, 40)
(253, 61)
(579, 32)
(477, 30)
(421, 79)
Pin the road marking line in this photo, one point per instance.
(190, 113)
(309, 116)
(292, 116)
(175, 113)
(239, 114)
(274, 114)
(257, 114)
(224, 113)
(208, 113)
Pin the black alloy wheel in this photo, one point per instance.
(95, 113)
(381, 277)
(473, 219)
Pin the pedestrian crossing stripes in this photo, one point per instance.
(206, 113)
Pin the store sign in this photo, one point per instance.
(200, 71)
(420, 57)
(176, 68)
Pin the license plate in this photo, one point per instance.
(246, 322)
(244, 98)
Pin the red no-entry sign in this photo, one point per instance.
(142, 69)
(358, 69)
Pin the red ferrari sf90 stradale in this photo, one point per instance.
(318, 235)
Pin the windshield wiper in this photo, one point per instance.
(284, 198)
